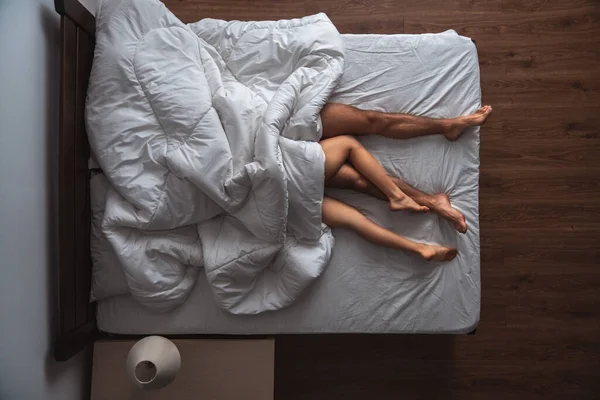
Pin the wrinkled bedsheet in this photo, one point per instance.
(208, 135)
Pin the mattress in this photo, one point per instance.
(366, 288)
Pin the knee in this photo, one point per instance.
(372, 122)
(346, 142)
(360, 184)
(349, 142)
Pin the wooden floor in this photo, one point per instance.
(539, 335)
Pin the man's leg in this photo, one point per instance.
(341, 149)
(341, 119)
(348, 177)
(340, 215)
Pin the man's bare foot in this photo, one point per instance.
(459, 124)
(406, 203)
(437, 253)
(440, 204)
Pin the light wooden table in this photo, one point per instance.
(210, 369)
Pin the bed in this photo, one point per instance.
(364, 289)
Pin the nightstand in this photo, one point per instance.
(210, 369)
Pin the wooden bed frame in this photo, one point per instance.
(77, 316)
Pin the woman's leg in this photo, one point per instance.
(339, 215)
(342, 119)
(349, 178)
(341, 149)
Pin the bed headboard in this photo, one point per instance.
(77, 320)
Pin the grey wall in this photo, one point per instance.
(29, 63)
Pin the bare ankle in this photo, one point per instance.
(423, 250)
(459, 123)
(397, 195)
(450, 125)
(427, 200)
(437, 199)
(456, 128)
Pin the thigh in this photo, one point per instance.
(337, 151)
(341, 119)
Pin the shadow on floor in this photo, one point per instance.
(363, 366)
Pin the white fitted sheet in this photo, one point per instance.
(366, 288)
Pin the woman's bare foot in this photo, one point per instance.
(437, 253)
(404, 202)
(459, 124)
(440, 204)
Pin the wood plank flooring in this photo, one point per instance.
(539, 336)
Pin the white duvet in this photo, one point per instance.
(207, 135)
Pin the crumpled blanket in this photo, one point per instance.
(208, 136)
